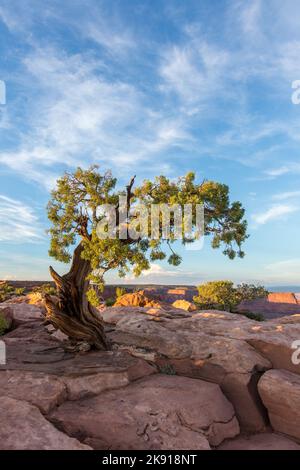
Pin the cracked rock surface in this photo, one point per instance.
(174, 380)
(156, 412)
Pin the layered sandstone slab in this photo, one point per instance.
(280, 393)
(208, 345)
(157, 412)
(23, 427)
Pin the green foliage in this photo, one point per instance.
(219, 295)
(92, 297)
(73, 214)
(254, 316)
(110, 301)
(7, 291)
(250, 292)
(44, 289)
(3, 325)
(222, 295)
(19, 291)
(120, 291)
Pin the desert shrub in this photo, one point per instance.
(6, 291)
(3, 325)
(19, 291)
(219, 295)
(44, 289)
(110, 301)
(222, 295)
(120, 291)
(254, 316)
(250, 292)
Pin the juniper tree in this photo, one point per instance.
(73, 212)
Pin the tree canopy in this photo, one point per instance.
(73, 213)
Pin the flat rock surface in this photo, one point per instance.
(32, 352)
(23, 427)
(41, 390)
(210, 345)
(23, 312)
(157, 412)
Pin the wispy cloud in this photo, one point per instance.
(287, 195)
(273, 213)
(18, 222)
(82, 114)
(194, 72)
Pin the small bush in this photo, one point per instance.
(3, 325)
(254, 316)
(250, 292)
(6, 291)
(44, 289)
(110, 301)
(120, 291)
(219, 295)
(19, 291)
(222, 295)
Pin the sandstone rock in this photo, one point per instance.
(7, 314)
(136, 299)
(274, 340)
(280, 393)
(41, 390)
(184, 305)
(23, 312)
(81, 375)
(208, 345)
(32, 349)
(23, 427)
(57, 334)
(282, 297)
(112, 315)
(262, 441)
(96, 372)
(158, 412)
(276, 305)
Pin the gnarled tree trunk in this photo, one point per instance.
(72, 313)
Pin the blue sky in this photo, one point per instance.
(153, 87)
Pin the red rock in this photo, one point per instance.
(280, 393)
(184, 305)
(41, 390)
(158, 412)
(262, 441)
(282, 297)
(136, 299)
(23, 427)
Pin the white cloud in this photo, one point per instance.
(155, 272)
(286, 195)
(194, 72)
(274, 172)
(250, 17)
(274, 213)
(18, 221)
(80, 115)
